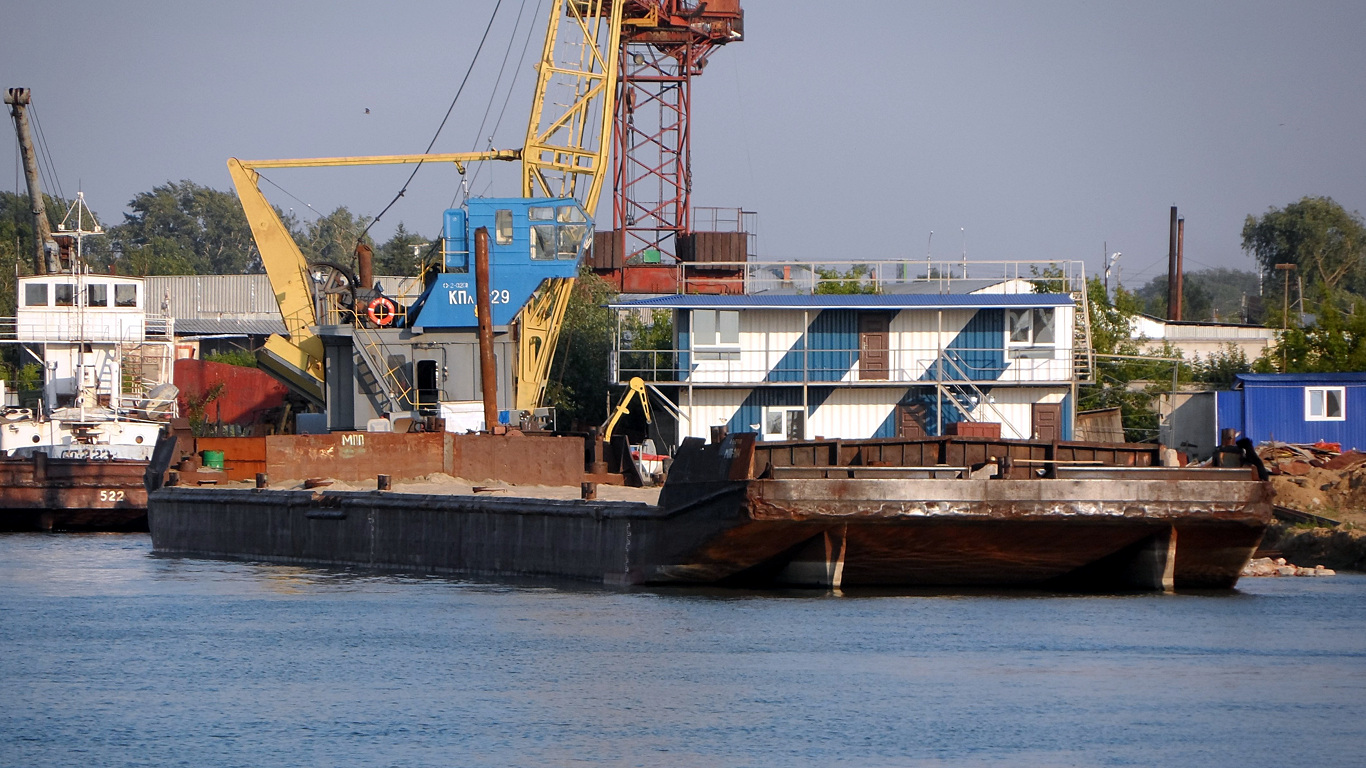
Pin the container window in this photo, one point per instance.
(716, 334)
(570, 214)
(1325, 404)
(125, 295)
(542, 242)
(502, 225)
(1018, 324)
(572, 238)
(64, 295)
(35, 295)
(97, 295)
(540, 213)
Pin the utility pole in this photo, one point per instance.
(44, 248)
(1285, 308)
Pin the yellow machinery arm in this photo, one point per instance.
(299, 359)
(567, 150)
(636, 388)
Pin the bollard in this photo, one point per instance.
(384, 482)
(262, 480)
(588, 491)
(173, 477)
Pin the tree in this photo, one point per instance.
(578, 385)
(1325, 243)
(184, 228)
(1335, 342)
(396, 256)
(1207, 294)
(333, 237)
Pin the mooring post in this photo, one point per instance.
(488, 374)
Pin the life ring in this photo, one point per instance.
(382, 311)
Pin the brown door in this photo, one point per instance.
(910, 421)
(1047, 419)
(872, 346)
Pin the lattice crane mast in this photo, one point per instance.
(664, 44)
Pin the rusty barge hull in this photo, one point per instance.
(43, 494)
(724, 518)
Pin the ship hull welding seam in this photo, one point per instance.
(728, 515)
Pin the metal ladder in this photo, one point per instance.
(1083, 355)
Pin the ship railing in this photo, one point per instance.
(846, 367)
(59, 327)
(883, 276)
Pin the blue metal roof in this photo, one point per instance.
(1301, 379)
(850, 301)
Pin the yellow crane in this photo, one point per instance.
(565, 155)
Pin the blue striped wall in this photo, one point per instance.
(978, 350)
(828, 349)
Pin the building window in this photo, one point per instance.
(1325, 404)
(35, 295)
(784, 423)
(716, 334)
(1031, 332)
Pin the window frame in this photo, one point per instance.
(1341, 392)
(717, 347)
(786, 415)
(28, 295)
(1031, 347)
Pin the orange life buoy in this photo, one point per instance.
(382, 311)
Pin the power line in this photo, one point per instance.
(449, 109)
(512, 86)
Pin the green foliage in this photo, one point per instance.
(396, 256)
(184, 228)
(1131, 383)
(1220, 368)
(854, 280)
(196, 408)
(1206, 295)
(239, 357)
(333, 237)
(1335, 342)
(1316, 234)
(578, 386)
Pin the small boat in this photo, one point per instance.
(74, 458)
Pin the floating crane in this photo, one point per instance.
(564, 158)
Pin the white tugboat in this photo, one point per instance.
(76, 459)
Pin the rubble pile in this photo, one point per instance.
(1265, 566)
(1320, 479)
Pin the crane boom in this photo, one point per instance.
(299, 358)
(567, 151)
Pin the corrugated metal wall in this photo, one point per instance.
(1276, 411)
(211, 296)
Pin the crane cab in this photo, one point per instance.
(530, 240)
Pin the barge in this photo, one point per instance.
(937, 512)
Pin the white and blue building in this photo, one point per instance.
(802, 366)
(1296, 408)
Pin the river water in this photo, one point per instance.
(110, 656)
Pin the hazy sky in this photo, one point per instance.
(1042, 129)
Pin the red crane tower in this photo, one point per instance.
(664, 43)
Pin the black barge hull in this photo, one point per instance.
(729, 516)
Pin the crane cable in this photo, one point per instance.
(526, 44)
(44, 155)
(449, 110)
